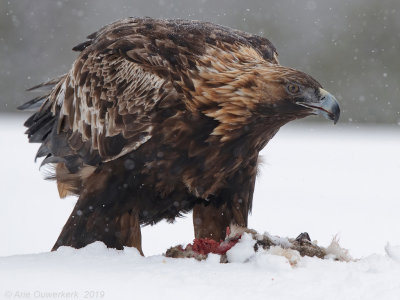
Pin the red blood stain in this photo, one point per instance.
(206, 245)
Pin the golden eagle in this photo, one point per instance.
(160, 117)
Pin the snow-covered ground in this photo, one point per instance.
(324, 180)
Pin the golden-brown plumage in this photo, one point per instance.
(157, 117)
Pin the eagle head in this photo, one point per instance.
(288, 94)
(257, 98)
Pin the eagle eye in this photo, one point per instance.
(293, 88)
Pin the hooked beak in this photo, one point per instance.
(327, 106)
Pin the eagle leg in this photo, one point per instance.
(211, 222)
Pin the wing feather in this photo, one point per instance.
(105, 106)
(106, 102)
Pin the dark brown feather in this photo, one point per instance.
(155, 117)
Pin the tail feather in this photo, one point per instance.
(39, 129)
(42, 122)
(87, 225)
(48, 85)
(96, 218)
(82, 46)
(34, 104)
(43, 151)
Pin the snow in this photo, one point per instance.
(393, 252)
(126, 275)
(243, 250)
(279, 240)
(330, 180)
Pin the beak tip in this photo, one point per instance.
(336, 114)
(330, 106)
(327, 106)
